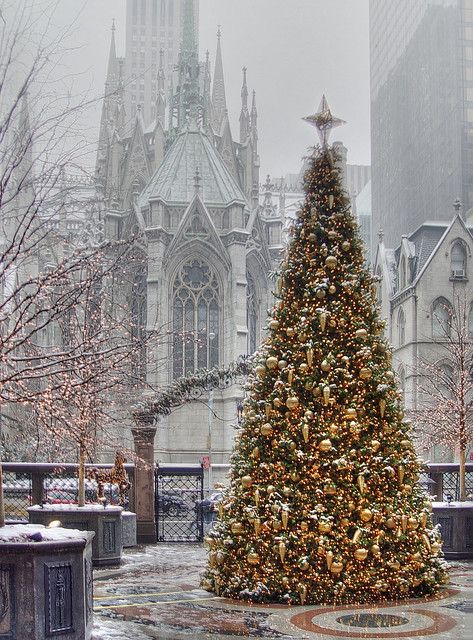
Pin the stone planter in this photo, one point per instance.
(128, 529)
(45, 583)
(456, 522)
(105, 523)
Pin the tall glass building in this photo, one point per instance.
(153, 29)
(421, 54)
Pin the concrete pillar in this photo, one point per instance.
(143, 436)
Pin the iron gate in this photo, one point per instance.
(179, 491)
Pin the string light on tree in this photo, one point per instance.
(324, 503)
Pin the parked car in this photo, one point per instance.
(171, 504)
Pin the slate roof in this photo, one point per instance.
(424, 239)
(173, 181)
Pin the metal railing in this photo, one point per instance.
(27, 483)
(443, 481)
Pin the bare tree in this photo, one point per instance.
(446, 384)
(45, 276)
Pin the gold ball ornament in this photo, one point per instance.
(290, 331)
(320, 293)
(435, 547)
(260, 370)
(336, 568)
(309, 414)
(271, 362)
(351, 414)
(303, 367)
(304, 526)
(266, 429)
(391, 523)
(253, 558)
(375, 550)
(246, 482)
(325, 527)
(365, 373)
(270, 489)
(361, 554)
(325, 445)
(282, 364)
(366, 515)
(331, 262)
(237, 528)
(332, 234)
(332, 289)
(292, 402)
(274, 324)
(325, 365)
(345, 245)
(361, 333)
(375, 445)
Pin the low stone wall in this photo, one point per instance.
(105, 523)
(46, 584)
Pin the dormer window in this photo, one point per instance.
(458, 261)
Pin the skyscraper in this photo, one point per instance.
(421, 55)
(153, 29)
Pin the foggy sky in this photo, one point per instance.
(295, 50)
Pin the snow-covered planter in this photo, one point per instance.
(128, 529)
(104, 522)
(45, 583)
(456, 526)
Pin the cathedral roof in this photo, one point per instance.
(173, 181)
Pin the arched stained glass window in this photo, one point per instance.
(458, 260)
(401, 327)
(441, 321)
(138, 322)
(196, 319)
(251, 314)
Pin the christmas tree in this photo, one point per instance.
(324, 503)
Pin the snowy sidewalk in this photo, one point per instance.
(156, 594)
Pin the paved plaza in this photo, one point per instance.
(156, 594)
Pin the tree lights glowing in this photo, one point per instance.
(323, 504)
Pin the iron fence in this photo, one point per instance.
(26, 483)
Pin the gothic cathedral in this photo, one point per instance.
(187, 195)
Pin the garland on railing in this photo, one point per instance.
(190, 388)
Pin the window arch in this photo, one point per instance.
(458, 260)
(196, 318)
(401, 327)
(446, 382)
(251, 314)
(441, 318)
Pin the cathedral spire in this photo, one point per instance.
(254, 117)
(244, 113)
(161, 96)
(112, 68)
(207, 85)
(188, 96)
(219, 101)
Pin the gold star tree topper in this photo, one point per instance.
(324, 121)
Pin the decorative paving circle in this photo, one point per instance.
(372, 620)
(412, 623)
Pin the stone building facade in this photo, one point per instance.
(419, 283)
(187, 195)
